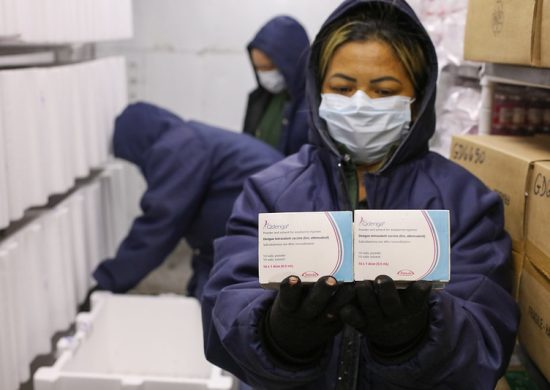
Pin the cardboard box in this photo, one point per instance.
(538, 211)
(505, 165)
(534, 328)
(544, 34)
(517, 265)
(542, 137)
(508, 31)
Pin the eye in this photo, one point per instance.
(342, 90)
(384, 92)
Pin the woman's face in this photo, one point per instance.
(369, 66)
(261, 61)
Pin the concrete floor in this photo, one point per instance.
(171, 277)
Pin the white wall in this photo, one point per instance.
(189, 55)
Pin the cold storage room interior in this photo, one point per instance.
(188, 194)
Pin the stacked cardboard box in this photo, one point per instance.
(508, 31)
(534, 293)
(518, 168)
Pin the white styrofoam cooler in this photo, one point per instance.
(134, 342)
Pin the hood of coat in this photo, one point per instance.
(137, 129)
(286, 43)
(422, 128)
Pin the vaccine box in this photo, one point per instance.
(308, 244)
(406, 245)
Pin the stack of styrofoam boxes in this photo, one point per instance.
(65, 21)
(45, 267)
(55, 126)
(134, 342)
(7, 27)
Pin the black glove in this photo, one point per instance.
(85, 306)
(395, 322)
(303, 319)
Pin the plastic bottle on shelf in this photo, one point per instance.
(545, 129)
(534, 111)
(502, 113)
(518, 124)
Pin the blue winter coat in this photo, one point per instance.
(286, 43)
(194, 172)
(473, 321)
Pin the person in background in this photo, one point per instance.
(276, 111)
(193, 173)
(371, 91)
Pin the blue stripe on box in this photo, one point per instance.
(344, 225)
(440, 220)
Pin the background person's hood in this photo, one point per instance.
(422, 129)
(137, 129)
(286, 43)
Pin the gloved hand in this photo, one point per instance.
(85, 306)
(303, 319)
(395, 322)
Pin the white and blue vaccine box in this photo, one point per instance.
(306, 244)
(407, 245)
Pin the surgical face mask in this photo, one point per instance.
(272, 80)
(367, 127)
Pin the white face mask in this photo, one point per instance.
(367, 127)
(272, 80)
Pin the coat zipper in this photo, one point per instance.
(348, 361)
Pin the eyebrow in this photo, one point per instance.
(373, 81)
(343, 76)
(384, 78)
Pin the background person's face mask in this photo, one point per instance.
(366, 127)
(272, 80)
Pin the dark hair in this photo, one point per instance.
(381, 23)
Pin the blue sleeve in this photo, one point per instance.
(234, 303)
(298, 129)
(474, 319)
(177, 179)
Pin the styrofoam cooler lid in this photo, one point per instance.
(146, 341)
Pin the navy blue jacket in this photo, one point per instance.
(286, 43)
(473, 321)
(194, 173)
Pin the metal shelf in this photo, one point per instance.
(492, 74)
(468, 70)
(26, 59)
(24, 56)
(8, 39)
(517, 75)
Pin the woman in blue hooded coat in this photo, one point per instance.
(194, 173)
(276, 110)
(371, 92)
